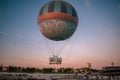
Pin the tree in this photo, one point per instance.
(48, 70)
(60, 70)
(12, 69)
(68, 70)
(0, 68)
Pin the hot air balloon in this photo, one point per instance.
(57, 21)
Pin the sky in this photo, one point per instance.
(96, 40)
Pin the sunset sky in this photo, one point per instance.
(96, 40)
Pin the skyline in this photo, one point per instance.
(95, 41)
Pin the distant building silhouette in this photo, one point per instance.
(89, 65)
(3, 68)
(113, 72)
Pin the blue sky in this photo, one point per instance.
(96, 40)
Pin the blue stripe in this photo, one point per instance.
(57, 6)
(74, 13)
(63, 7)
(41, 11)
(45, 9)
(51, 6)
(69, 9)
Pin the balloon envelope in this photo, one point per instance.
(57, 20)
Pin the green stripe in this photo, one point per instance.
(45, 9)
(57, 6)
(69, 9)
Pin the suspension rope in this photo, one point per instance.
(63, 47)
(54, 45)
(49, 49)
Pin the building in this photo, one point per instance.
(112, 72)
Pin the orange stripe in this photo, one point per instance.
(56, 15)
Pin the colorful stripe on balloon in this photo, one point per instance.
(58, 6)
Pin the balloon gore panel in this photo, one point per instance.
(57, 20)
(56, 29)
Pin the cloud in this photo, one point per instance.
(3, 33)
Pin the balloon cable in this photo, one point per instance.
(49, 49)
(63, 47)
